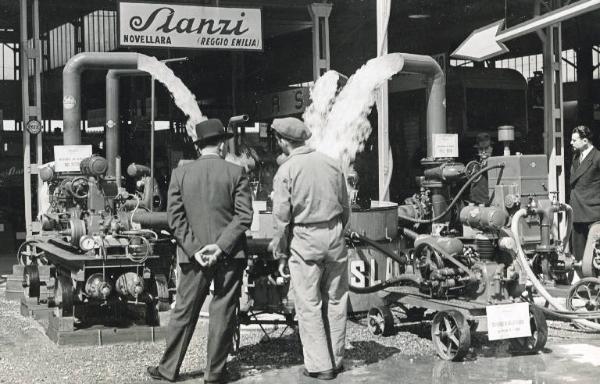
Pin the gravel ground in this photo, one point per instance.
(28, 356)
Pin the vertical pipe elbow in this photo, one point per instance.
(72, 85)
(436, 89)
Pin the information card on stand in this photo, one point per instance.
(507, 321)
(68, 157)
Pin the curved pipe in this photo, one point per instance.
(113, 122)
(72, 85)
(436, 93)
(514, 233)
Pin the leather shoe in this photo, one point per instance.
(323, 375)
(154, 373)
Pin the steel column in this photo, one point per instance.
(385, 162)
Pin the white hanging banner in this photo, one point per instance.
(189, 26)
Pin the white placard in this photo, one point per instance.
(507, 321)
(189, 26)
(445, 145)
(68, 157)
(257, 207)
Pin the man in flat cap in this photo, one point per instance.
(209, 211)
(479, 192)
(310, 211)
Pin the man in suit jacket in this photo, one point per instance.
(585, 187)
(209, 211)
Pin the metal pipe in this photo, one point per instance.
(72, 85)
(152, 112)
(113, 122)
(436, 93)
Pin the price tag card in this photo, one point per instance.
(507, 321)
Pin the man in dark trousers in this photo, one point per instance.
(209, 211)
(585, 187)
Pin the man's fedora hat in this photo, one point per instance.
(482, 140)
(211, 129)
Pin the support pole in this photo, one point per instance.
(319, 14)
(383, 140)
(24, 74)
(553, 109)
(38, 101)
(152, 112)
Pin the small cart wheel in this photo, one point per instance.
(381, 321)
(451, 335)
(539, 333)
(584, 296)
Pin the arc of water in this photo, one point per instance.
(183, 97)
(347, 127)
(322, 96)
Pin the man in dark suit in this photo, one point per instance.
(585, 187)
(209, 211)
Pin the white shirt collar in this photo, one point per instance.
(585, 153)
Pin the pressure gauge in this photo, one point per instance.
(87, 243)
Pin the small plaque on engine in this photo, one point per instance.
(507, 321)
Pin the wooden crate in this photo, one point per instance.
(30, 307)
(62, 331)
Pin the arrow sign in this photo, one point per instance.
(486, 42)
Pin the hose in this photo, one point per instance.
(387, 283)
(456, 198)
(372, 243)
(521, 258)
(409, 233)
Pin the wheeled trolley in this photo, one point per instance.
(454, 321)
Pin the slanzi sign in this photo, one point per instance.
(189, 26)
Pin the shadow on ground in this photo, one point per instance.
(286, 351)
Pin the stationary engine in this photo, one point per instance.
(104, 246)
(457, 249)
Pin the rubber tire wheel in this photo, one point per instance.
(31, 278)
(381, 321)
(539, 334)
(573, 290)
(64, 296)
(461, 335)
(162, 293)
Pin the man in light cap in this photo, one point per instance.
(310, 211)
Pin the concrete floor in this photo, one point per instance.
(569, 357)
(562, 362)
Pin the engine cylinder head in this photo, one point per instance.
(484, 246)
(94, 166)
